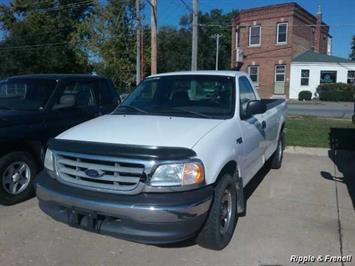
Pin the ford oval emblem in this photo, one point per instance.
(94, 173)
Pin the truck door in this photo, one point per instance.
(74, 103)
(253, 134)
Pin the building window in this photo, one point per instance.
(304, 77)
(328, 77)
(253, 72)
(282, 33)
(237, 39)
(351, 77)
(280, 73)
(254, 35)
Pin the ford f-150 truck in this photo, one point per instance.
(34, 108)
(170, 163)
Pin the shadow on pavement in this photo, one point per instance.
(342, 153)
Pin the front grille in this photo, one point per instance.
(114, 174)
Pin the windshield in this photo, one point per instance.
(204, 96)
(25, 94)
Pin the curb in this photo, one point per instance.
(307, 151)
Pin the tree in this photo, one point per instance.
(174, 44)
(109, 39)
(352, 55)
(174, 49)
(38, 37)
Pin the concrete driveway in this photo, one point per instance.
(303, 209)
(323, 109)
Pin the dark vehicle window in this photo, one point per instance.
(183, 95)
(246, 94)
(105, 93)
(26, 94)
(76, 94)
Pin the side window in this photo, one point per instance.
(246, 94)
(106, 95)
(76, 94)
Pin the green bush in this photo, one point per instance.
(338, 92)
(305, 96)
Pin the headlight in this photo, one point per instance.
(48, 160)
(178, 174)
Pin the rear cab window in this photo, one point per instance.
(246, 94)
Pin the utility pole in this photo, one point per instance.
(138, 37)
(194, 35)
(217, 36)
(153, 40)
(142, 54)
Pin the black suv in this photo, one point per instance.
(34, 108)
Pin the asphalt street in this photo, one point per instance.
(303, 209)
(323, 109)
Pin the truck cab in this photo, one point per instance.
(34, 108)
(170, 163)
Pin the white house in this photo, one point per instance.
(310, 69)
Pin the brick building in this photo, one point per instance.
(266, 39)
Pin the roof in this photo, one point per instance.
(313, 57)
(55, 76)
(230, 73)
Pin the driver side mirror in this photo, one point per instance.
(255, 107)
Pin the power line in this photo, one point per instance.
(186, 6)
(34, 46)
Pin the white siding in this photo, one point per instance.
(314, 75)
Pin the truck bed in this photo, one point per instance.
(271, 103)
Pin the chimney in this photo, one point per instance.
(317, 35)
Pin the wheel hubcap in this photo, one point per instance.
(16, 178)
(226, 211)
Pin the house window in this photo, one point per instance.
(328, 77)
(304, 77)
(254, 74)
(254, 35)
(280, 73)
(237, 38)
(282, 33)
(351, 77)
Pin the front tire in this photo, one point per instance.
(219, 227)
(17, 171)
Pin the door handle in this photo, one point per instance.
(263, 124)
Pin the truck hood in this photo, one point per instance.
(143, 130)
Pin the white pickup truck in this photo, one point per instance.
(170, 163)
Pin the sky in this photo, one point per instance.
(338, 14)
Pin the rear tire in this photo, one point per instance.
(17, 172)
(219, 227)
(276, 160)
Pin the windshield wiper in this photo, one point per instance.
(189, 112)
(133, 108)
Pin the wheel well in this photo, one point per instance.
(33, 148)
(283, 126)
(230, 168)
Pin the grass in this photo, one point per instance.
(310, 131)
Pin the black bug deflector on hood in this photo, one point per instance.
(121, 150)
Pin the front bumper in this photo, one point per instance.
(147, 217)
